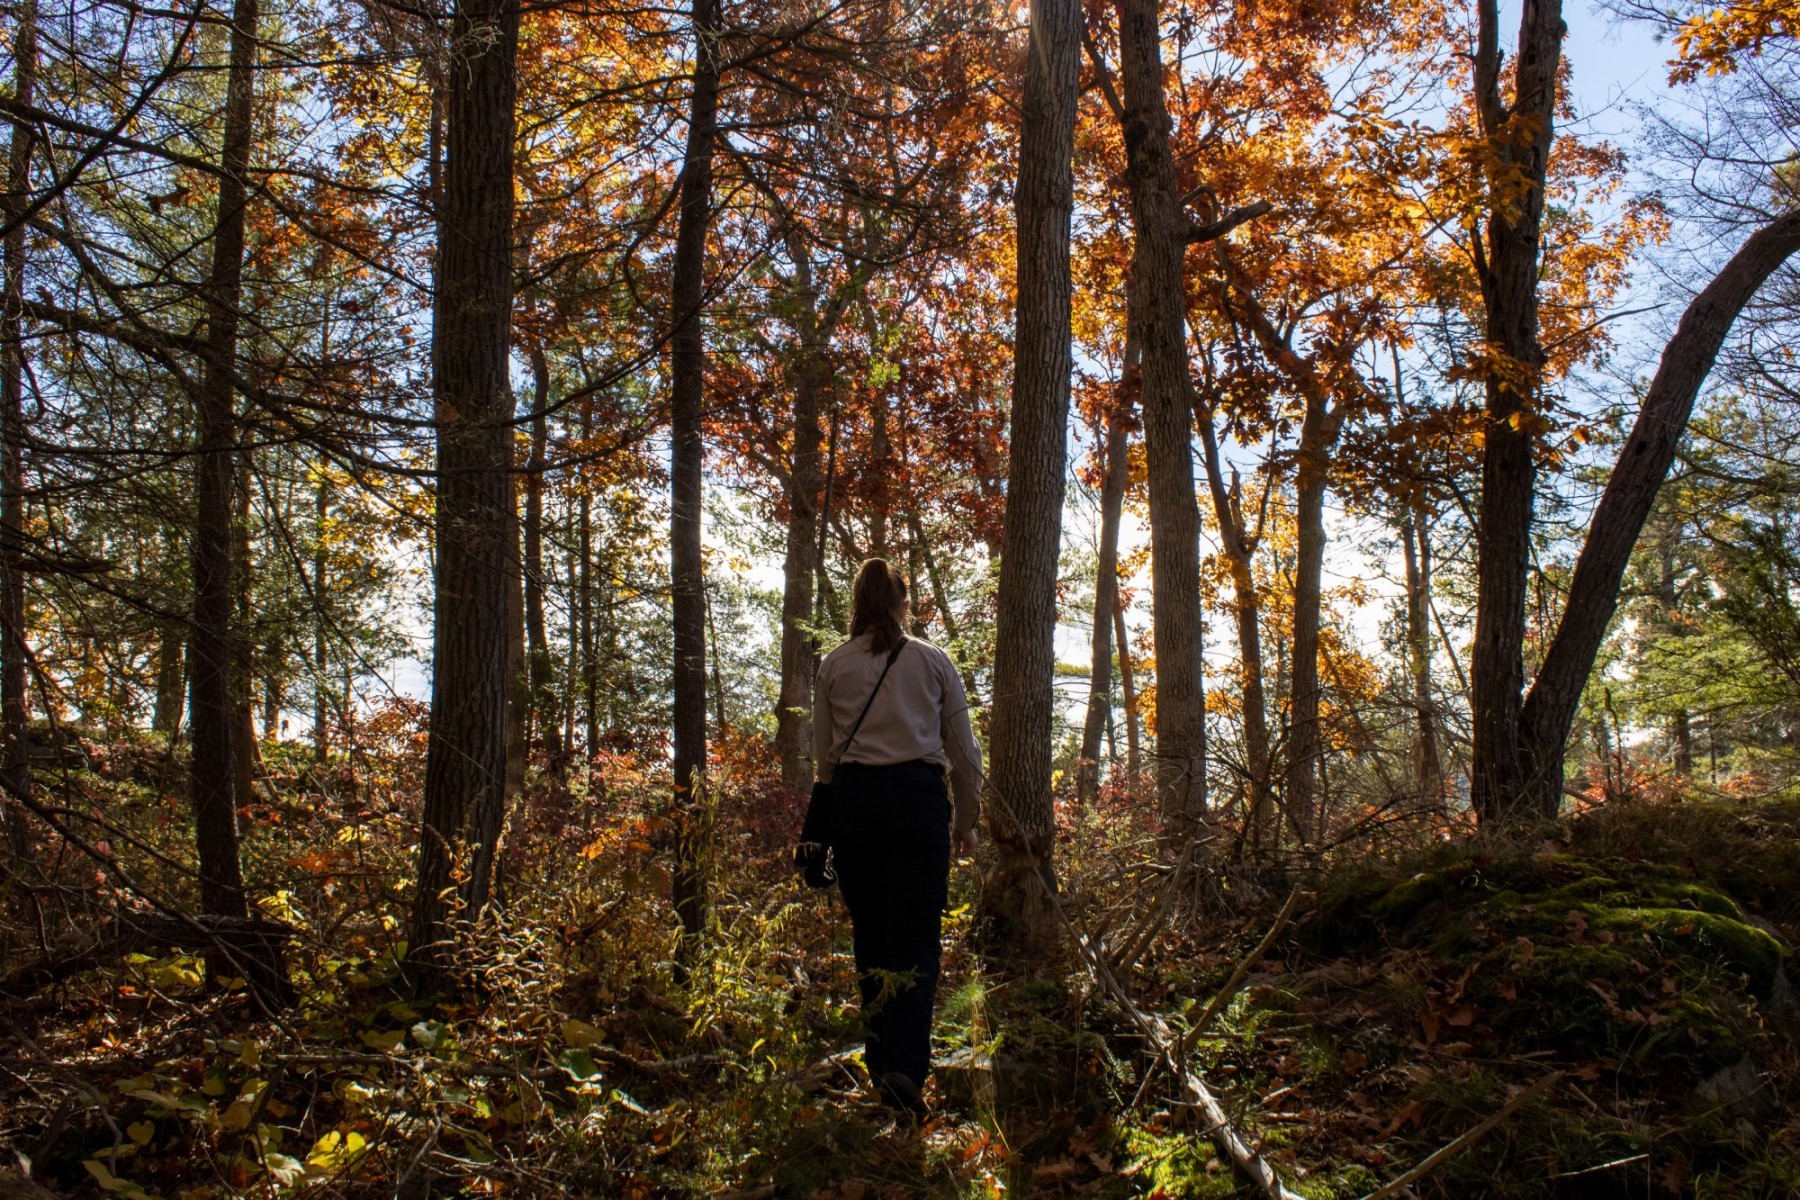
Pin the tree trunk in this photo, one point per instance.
(1018, 916)
(211, 721)
(321, 663)
(15, 699)
(518, 680)
(171, 677)
(1134, 759)
(1158, 304)
(1106, 580)
(1681, 734)
(465, 766)
(1309, 566)
(587, 654)
(273, 693)
(1631, 489)
(1240, 553)
(1319, 426)
(1415, 537)
(1507, 265)
(687, 353)
(244, 751)
(543, 716)
(799, 649)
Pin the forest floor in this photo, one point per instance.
(1639, 951)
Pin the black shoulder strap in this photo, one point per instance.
(892, 655)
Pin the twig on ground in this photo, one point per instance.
(1449, 1151)
(814, 1075)
(1236, 981)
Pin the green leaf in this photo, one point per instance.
(578, 1063)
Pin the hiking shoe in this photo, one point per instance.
(900, 1093)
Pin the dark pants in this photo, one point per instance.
(891, 835)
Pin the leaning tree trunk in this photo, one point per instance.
(1158, 305)
(687, 383)
(15, 702)
(1106, 578)
(465, 764)
(1518, 156)
(1017, 900)
(210, 693)
(1631, 489)
(799, 650)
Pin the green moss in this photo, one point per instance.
(1176, 1163)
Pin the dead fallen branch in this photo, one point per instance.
(1447, 1152)
(252, 944)
(648, 1068)
(1168, 1048)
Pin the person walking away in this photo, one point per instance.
(894, 827)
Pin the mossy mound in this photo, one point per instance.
(1643, 951)
(1640, 968)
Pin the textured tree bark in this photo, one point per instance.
(1240, 554)
(542, 717)
(1415, 540)
(1106, 579)
(465, 766)
(799, 650)
(1158, 304)
(1017, 899)
(171, 677)
(1309, 565)
(212, 722)
(1507, 265)
(15, 700)
(1631, 489)
(687, 354)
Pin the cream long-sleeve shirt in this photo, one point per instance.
(921, 712)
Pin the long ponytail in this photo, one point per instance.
(877, 600)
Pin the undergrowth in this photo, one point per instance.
(1642, 950)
